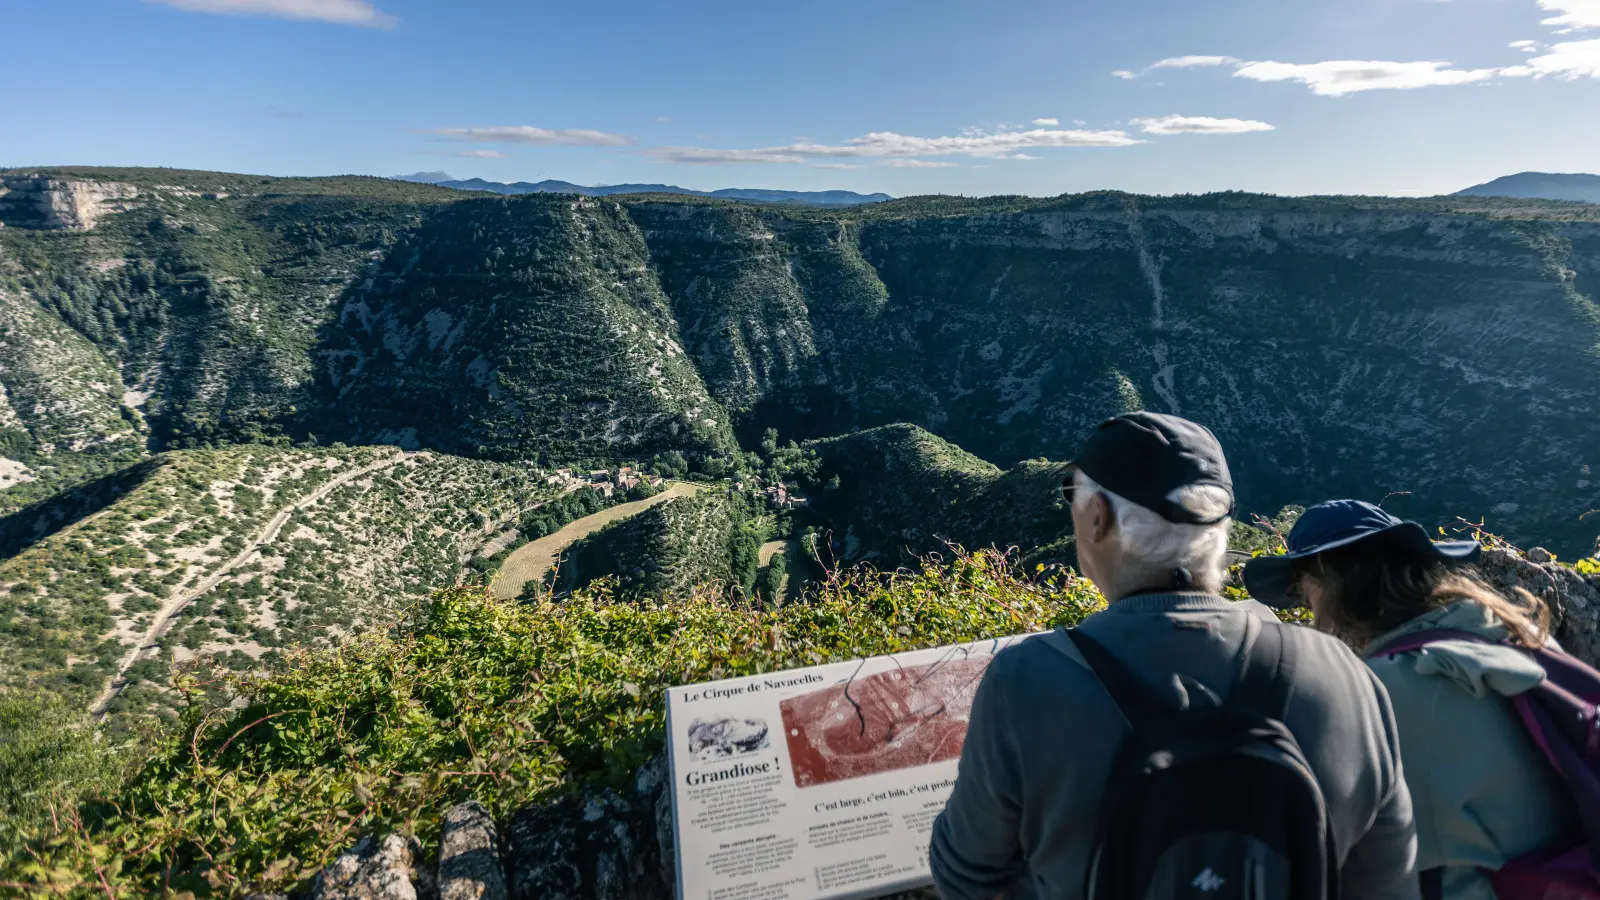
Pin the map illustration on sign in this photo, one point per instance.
(891, 720)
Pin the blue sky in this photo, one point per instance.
(904, 96)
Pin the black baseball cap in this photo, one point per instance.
(1144, 456)
(1340, 523)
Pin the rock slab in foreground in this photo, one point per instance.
(1574, 599)
(370, 871)
(602, 845)
(469, 860)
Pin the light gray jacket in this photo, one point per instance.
(1484, 792)
(1021, 819)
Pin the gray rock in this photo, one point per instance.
(426, 880)
(601, 845)
(469, 858)
(1574, 600)
(370, 871)
(1540, 555)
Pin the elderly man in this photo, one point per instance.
(1176, 743)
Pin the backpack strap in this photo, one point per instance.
(1128, 690)
(1420, 639)
(1266, 682)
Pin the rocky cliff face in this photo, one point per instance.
(521, 329)
(1338, 347)
(1336, 351)
(59, 203)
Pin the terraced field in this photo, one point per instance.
(533, 559)
(236, 553)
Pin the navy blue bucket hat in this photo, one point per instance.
(1340, 523)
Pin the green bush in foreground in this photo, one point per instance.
(48, 749)
(476, 698)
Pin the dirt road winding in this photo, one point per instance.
(533, 559)
(169, 610)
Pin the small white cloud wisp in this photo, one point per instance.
(887, 144)
(1565, 61)
(339, 12)
(1335, 78)
(1047, 122)
(528, 134)
(1192, 62)
(1571, 15)
(1199, 125)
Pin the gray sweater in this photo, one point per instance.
(1021, 819)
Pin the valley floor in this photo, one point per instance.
(533, 559)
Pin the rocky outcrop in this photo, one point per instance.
(1574, 599)
(603, 845)
(469, 856)
(371, 871)
(59, 203)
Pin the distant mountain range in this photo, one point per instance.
(1540, 185)
(801, 198)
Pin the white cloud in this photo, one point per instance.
(1124, 74)
(1192, 62)
(527, 134)
(1525, 46)
(1050, 122)
(661, 120)
(1347, 76)
(835, 166)
(342, 12)
(1199, 125)
(1023, 156)
(1574, 14)
(1566, 61)
(481, 154)
(921, 164)
(888, 143)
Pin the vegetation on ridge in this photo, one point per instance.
(503, 702)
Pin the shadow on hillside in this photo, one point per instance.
(37, 521)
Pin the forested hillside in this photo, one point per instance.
(897, 493)
(1444, 347)
(1443, 350)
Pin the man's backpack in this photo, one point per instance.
(1213, 801)
(1562, 718)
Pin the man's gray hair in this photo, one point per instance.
(1152, 546)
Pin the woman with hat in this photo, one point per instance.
(1483, 791)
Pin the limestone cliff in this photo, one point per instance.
(60, 203)
(1338, 346)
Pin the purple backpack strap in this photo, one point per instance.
(1527, 709)
(1561, 714)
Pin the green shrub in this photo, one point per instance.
(49, 757)
(498, 701)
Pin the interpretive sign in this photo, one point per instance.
(820, 782)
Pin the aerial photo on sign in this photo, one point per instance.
(843, 805)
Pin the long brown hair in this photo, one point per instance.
(1371, 587)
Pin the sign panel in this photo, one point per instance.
(820, 782)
